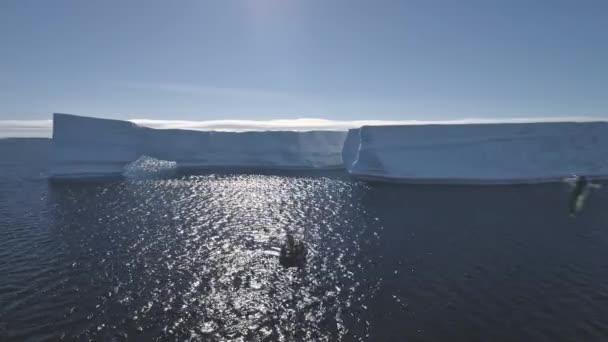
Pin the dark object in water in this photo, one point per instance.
(578, 195)
(293, 252)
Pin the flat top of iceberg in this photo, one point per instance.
(43, 128)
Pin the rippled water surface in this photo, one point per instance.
(195, 257)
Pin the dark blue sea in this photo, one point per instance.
(194, 257)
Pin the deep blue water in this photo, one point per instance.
(194, 257)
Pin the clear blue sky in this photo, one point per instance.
(336, 59)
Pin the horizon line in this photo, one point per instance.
(43, 128)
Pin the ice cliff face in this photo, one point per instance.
(90, 147)
(84, 146)
(447, 153)
(350, 150)
(481, 153)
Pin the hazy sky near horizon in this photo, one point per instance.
(284, 59)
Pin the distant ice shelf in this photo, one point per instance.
(90, 147)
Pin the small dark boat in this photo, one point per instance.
(293, 252)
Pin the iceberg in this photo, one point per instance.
(501, 153)
(462, 153)
(91, 147)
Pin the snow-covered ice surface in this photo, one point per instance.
(44, 128)
(90, 147)
(481, 153)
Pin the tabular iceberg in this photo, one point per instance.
(84, 146)
(441, 153)
(478, 153)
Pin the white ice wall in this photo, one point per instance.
(84, 146)
(482, 153)
(447, 153)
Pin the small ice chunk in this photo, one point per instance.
(148, 166)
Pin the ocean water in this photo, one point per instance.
(194, 256)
